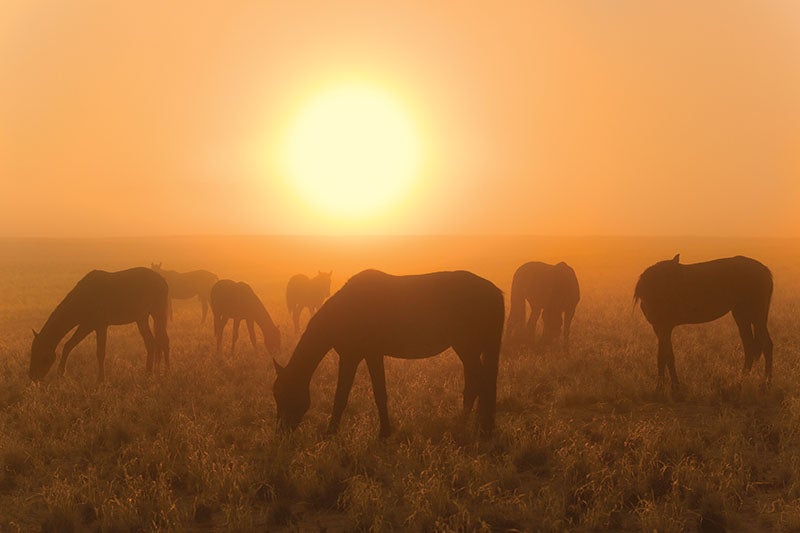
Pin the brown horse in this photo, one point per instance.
(302, 292)
(409, 317)
(183, 285)
(237, 301)
(99, 300)
(549, 290)
(672, 294)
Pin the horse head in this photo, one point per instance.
(42, 358)
(291, 398)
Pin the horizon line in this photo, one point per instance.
(400, 235)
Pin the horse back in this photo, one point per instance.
(119, 297)
(701, 292)
(546, 286)
(235, 300)
(414, 316)
(188, 284)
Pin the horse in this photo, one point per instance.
(99, 300)
(672, 294)
(302, 292)
(183, 285)
(549, 290)
(408, 317)
(230, 299)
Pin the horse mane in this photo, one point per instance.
(637, 291)
(647, 276)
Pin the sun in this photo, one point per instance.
(352, 151)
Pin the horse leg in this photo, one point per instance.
(568, 316)
(666, 358)
(204, 304)
(77, 337)
(473, 372)
(764, 341)
(347, 373)
(378, 375)
(251, 330)
(236, 322)
(161, 339)
(671, 364)
(101, 334)
(551, 325)
(530, 328)
(149, 342)
(751, 347)
(219, 326)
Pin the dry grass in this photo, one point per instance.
(582, 443)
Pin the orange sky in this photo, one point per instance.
(624, 117)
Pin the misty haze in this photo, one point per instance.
(308, 266)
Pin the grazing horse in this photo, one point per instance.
(409, 317)
(99, 300)
(183, 285)
(230, 299)
(302, 292)
(672, 294)
(549, 290)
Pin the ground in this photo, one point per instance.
(583, 441)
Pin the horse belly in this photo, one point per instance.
(408, 340)
(701, 316)
(416, 350)
(124, 310)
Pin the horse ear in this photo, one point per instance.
(34, 333)
(677, 258)
(278, 368)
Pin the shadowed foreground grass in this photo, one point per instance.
(582, 441)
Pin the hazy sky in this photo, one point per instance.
(614, 117)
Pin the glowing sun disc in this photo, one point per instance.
(352, 151)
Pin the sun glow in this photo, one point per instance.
(352, 152)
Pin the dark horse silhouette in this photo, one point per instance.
(550, 290)
(409, 317)
(183, 285)
(672, 294)
(302, 292)
(237, 301)
(99, 300)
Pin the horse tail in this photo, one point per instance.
(516, 312)
(637, 292)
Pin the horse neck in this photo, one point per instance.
(312, 348)
(261, 317)
(60, 322)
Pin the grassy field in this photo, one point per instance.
(582, 440)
